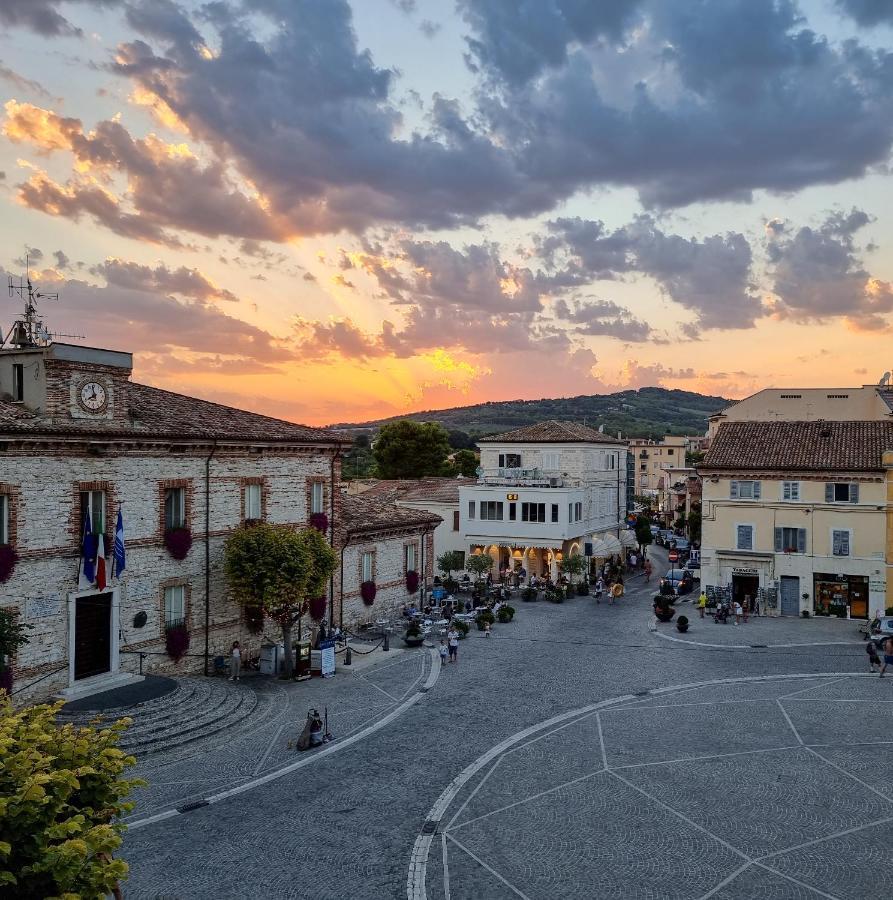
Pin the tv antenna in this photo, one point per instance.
(29, 330)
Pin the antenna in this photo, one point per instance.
(29, 330)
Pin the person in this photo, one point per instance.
(648, 570)
(737, 609)
(888, 654)
(235, 662)
(756, 605)
(453, 642)
(874, 660)
(599, 589)
(745, 607)
(443, 652)
(702, 604)
(486, 629)
(633, 560)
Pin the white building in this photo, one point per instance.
(544, 491)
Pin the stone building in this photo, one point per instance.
(76, 434)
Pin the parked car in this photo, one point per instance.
(664, 536)
(693, 564)
(681, 544)
(882, 632)
(681, 580)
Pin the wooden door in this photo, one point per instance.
(92, 635)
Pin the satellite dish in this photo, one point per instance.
(885, 379)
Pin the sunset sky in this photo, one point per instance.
(332, 211)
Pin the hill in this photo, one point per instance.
(647, 412)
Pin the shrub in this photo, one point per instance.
(506, 613)
(888, 611)
(570, 592)
(804, 613)
(178, 542)
(485, 616)
(451, 585)
(461, 627)
(176, 641)
(413, 630)
(555, 595)
(529, 594)
(583, 589)
(61, 798)
(682, 624)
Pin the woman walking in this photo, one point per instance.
(235, 662)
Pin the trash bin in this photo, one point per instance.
(302, 658)
(271, 659)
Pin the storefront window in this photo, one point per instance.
(842, 596)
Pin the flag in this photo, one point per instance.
(120, 555)
(100, 563)
(87, 572)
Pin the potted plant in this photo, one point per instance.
(529, 594)
(367, 592)
(412, 581)
(583, 589)
(318, 607)
(461, 627)
(319, 521)
(663, 609)
(682, 624)
(8, 560)
(570, 592)
(178, 541)
(413, 636)
(176, 641)
(506, 613)
(485, 617)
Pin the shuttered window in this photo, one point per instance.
(744, 537)
(842, 492)
(471, 509)
(790, 540)
(455, 520)
(745, 490)
(4, 519)
(790, 490)
(840, 542)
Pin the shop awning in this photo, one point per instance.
(628, 539)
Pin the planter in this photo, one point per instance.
(682, 624)
(485, 618)
(319, 521)
(460, 627)
(176, 641)
(8, 560)
(367, 592)
(318, 608)
(413, 641)
(178, 542)
(529, 595)
(506, 614)
(412, 581)
(664, 615)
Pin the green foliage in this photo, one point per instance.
(461, 627)
(61, 795)
(555, 594)
(573, 566)
(643, 531)
(460, 440)
(408, 449)
(694, 458)
(506, 613)
(529, 594)
(413, 630)
(484, 617)
(451, 561)
(479, 565)
(12, 636)
(694, 523)
(465, 462)
(583, 588)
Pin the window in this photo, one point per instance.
(613, 458)
(317, 497)
(4, 519)
(18, 382)
(455, 520)
(551, 461)
(94, 502)
(533, 512)
(570, 512)
(578, 512)
(790, 540)
(745, 490)
(367, 566)
(643, 467)
(841, 493)
(471, 509)
(491, 510)
(840, 542)
(253, 493)
(790, 490)
(410, 557)
(513, 511)
(554, 512)
(174, 508)
(509, 460)
(744, 537)
(174, 605)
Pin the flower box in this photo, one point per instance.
(367, 592)
(412, 581)
(178, 542)
(319, 521)
(8, 560)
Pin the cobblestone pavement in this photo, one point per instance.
(347, 825)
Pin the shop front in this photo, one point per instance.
(845, 596)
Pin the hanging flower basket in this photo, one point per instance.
(178, 541)
(319, 521)
(6, 680)
(318, 607)
(367, 592)
(412, 581)
(8, 560)
(254, 619)
(176, 640)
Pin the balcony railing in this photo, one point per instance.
(526, 478)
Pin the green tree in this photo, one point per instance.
(479, 565)
(643, 531)
(408, 449)
(279, 570)
(465, 462)
(61, 799)
(694, 523)
(451, 561)
(12, 636)
(572, 566)
(460, 440)
(694, 458)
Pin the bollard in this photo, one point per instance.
(387, 644)
(348, 656)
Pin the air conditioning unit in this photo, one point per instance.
(554, 482)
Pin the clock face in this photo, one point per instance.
(93, 396)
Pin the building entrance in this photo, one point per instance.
(839, 595)
(745, 586)
(92, 635)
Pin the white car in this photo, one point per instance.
(882, 632)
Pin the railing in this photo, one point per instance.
(525, 477)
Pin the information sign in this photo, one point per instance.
(327, 658)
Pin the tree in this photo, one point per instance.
(451, 561)
(465, 462)
(408, 449)
(279, 570)
(61, 799)
(643, 531)
(694, 458)
(572, 566)
(694, 523)
(460, 440)
(479, 565)
(12, 636)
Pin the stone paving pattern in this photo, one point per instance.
(345, 826)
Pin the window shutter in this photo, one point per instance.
(733, 490)
(779, 542)
(501, 460)
(854, 493)
(845, 543)
(829, 493)
(757, 489)
(801, 540)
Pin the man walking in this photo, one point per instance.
(453, 641)
(888, 654)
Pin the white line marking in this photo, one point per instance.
(791, 878)
(446, 868)
(726, 881)
(784, 712)
(821, 840)
(690, 759)
(810, 688)
(601, 740)
(490, 869)
(850, 775)
(473, 794)
(390, 696)
(269, 750)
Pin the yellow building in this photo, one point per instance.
(653, 458)
(795, 514)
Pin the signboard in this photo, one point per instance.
(673, 555)
(511, 496)
(743, 571)
(327, 658)
(877, 587)
(41, 607)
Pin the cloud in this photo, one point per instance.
(62, 260)
(22, 83)
(43, 16)
(867, 12)
(603, 317)
(817, 273)
(183, 281)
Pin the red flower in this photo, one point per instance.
(8, 560)
(178, 541)
(318, 607)
(367, 592)
(412, 581)
(319, 521)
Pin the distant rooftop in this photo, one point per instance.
(362, 513)
(433, 490)
(552, 432)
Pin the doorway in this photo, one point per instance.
(790, 595)
(92, 635)
(745, 586)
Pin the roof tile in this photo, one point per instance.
(552, 432)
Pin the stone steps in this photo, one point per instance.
(196, 709)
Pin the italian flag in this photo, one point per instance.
(100, 563)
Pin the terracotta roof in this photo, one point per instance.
(12, 412)
(552, 432)
(800, 446)
(417, 490)
(163, 414)
(361, 513)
